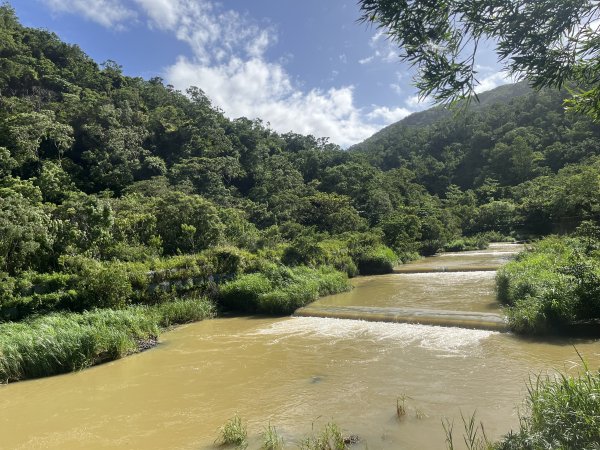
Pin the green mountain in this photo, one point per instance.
(501, 94)
(511, 136)
(104, 177)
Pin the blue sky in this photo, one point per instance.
(302, 65)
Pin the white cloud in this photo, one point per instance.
(257, 89)
(228, 62)
(163, 13)
(108, 13)
(415, 101)
(383, 50)
(397, 88)
(391, 56)
(492, 81)
(376, 38)
(388, 115)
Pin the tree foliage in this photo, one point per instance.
(116, 190)
(548, 42)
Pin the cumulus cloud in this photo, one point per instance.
(415, 102)
(228, 62)
(388, 115)
(230, 65)
(108, 13)
(255, 88)
(492, 81)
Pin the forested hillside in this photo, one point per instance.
(111, 185)
(524, 151)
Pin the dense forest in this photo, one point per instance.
(119, 191)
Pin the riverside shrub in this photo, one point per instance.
(64, 342)
(561, 413)
(378, 260)
(281, 290)
(551, 286)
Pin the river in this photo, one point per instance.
(299, 373)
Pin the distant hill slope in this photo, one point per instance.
(512, 135)
(501, 94)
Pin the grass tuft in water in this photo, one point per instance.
(401, 407)
(271, 439)
(474, 435)
(234, 433)
(561, 412)
(420, 414)
(330, 438)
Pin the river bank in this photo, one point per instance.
(66, 342)
(296, 374)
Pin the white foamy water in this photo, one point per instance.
(445, 339)
(449, 277)
(480, 253)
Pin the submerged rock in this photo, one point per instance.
(351, 439)
(147, 344)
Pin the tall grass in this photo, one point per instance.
(271, 439)
(561, 413)
(551, 286)
(330, 438)
(474, 436)
(182, 311)
(234, 433)
(281, 290)
(65, 342)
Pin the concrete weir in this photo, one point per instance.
(411, 269)
(461, 319)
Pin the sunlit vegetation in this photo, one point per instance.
(271, 439)
(63, 342)
(560, 412)
(329, 438)
(234, 433)
(119, 195)
(280, 289)
(555, 284)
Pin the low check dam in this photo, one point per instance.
(461, 319)
(449, 290)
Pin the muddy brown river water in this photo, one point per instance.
(299, 373)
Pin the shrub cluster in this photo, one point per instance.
(86, 283)
(280, 289)
(551, 286)
(353, 253)
(562, 412)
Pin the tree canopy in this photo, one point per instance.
(549, 42)
(109, 183)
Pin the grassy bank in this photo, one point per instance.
(64, 342)
(280, 289)
(561, 413)
(552, 286)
